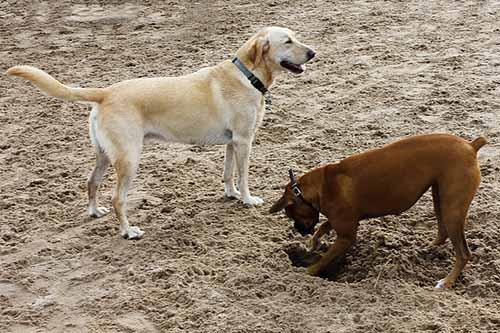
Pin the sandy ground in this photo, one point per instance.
(384, 70)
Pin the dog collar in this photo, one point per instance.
(298, 195)
(254, 80)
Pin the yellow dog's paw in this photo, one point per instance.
(253, 201)
(231, 192)
(132, 233)
(98, 212)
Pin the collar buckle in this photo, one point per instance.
(296, 190)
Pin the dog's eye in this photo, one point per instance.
(288, 41)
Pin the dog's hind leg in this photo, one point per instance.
(456, 197)
(229, 188)
(454, 223)
(120, 135)
(126, 166)
(442, 235)
(102, 163)
(95, 178)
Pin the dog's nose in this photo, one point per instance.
(310, 54)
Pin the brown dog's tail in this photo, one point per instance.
(478, 143)
(52, 87)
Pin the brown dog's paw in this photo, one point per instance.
(314, 270)
(443, 284)
(300, 257)
(438, 241)
(314, 244)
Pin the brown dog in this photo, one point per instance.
(388, 181)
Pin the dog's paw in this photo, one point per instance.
(438, 242)
(313, 270)
(232, 193)
(253, 201)
(442, 284)
(132, 233)
(98, 212)
(314, 244)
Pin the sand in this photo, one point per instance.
(384, 70)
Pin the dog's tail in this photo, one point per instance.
(478, 143)
(52, 87)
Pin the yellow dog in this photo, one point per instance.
(223, 104)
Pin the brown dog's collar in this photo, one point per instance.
(297, 192)
(254, 80)
(298, 195)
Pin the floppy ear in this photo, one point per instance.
(279, 205)
(259, 48)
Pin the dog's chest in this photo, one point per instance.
(260, 114)
(256, 116)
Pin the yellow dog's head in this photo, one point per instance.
(277, 49)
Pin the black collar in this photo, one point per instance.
(298, 195)
(254, 80)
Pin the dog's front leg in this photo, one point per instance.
(242, 150)
(229, 188)
(346, 236)
(323, 229)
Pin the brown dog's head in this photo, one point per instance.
(304, 216)
(278, 49)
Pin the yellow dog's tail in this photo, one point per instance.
(52, 87)
(478, 143)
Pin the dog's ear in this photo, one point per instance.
(258, 50)
(279, 205)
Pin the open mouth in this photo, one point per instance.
(294, 68)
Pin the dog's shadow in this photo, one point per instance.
(301, 257)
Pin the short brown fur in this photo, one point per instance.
(386, 181)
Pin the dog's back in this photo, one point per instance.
(389, 180)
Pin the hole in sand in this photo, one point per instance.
(301, 257)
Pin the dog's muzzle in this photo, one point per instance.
(297, 68)
(303, 230)
(310, 54)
